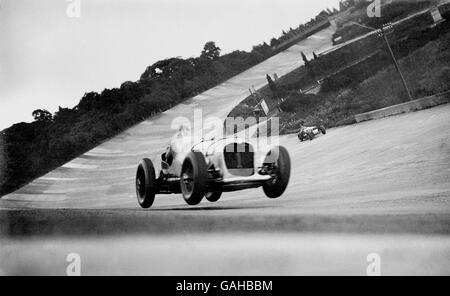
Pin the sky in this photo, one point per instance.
(49, 57)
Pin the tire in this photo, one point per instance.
(282, 172)
(146, 186)
(194, 178)
(311, 136)
(300, 137)
(322, 130)
(213, 196)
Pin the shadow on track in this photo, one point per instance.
(205, 208)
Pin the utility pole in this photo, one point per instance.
(383, 33)
(397, 66)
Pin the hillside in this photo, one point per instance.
(360, 77)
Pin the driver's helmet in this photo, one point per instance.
(302, 126)
(181, 141)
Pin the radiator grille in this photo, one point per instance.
(239, 159)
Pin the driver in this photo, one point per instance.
(179, 145)
(302, 126)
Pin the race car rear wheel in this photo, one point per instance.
(194, 178)
(146, 186)
(213, 196)
(279, 164)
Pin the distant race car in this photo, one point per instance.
(310, 132)
(210, 168)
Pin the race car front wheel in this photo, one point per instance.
(146, 186)
(279, 166)
(194, 178)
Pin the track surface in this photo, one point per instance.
(376, 187)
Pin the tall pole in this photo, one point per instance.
(397, 66)
(382, 33)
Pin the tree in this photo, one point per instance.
(274, 42)
(315, 55)
(42, 115)
(89, 101)
(210, 51)
(309, 66)
(65, 115)
(272, 85)
(305, 59)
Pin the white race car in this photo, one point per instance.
(212, 167)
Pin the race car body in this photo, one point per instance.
(212, 167)
(310, 132)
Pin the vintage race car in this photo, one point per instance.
(310, 132)
(212, 167)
